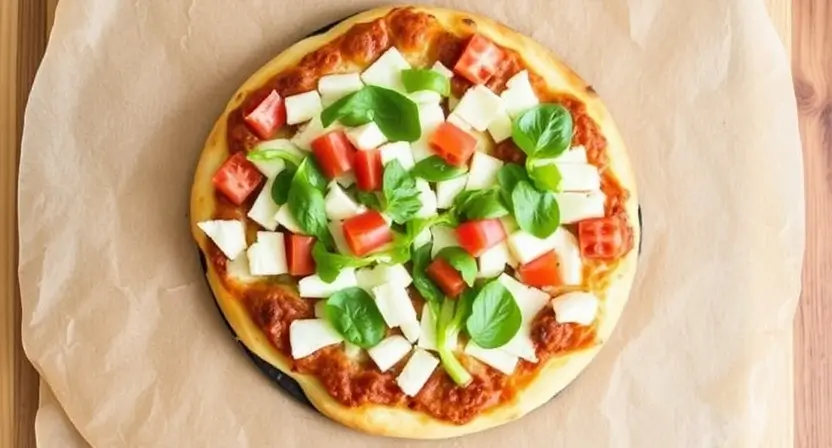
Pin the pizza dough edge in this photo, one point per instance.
(402, 422)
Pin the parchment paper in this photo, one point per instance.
(119, 322)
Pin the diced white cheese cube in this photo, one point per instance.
(457, 120)
(310, 131)
(579, 177)
(428, 199)
(284, 218)
(335, 87)
(397, 151)
(530, 300)
(519, 95)
(307, 336)
(267, 256)
(527, 247)
(575, 307)
(369, 278)
(522, 345)
(365, 137)
(264, 209)
(270, 168)
(303, 106)
(493, 261)
(442, 70)
(389, 351)
(339, 205)
(500, 127)
(576, 207)
(496, 358)
(397, 310)
(424, 237)
(577, 154)
(483, 173)
(570, 265)
(228, 235)
(238, 269)
(442, 237)
(430, 117)
(478, 107)
(428, 324)
(448, 190)
(320, 309)
(386, 71)
(314, 288)
(425, 97)
(336, 229)
(417, 372)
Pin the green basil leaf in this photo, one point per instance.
(281, 185)
(277, 149)
(356, 317)
(462, 261)
(418, 225)
(306, 200)
(508, 177)
(543, 131)
(546, 176)
(536, 211)
(369, 199)
(464, 305)
(329, 264)
(395, 114)
(429, 291)
(434, 169)
(481, 204)
(401, 196)
(415, 79)
(495, 317)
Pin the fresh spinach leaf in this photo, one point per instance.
(369, 199)
(329, 264)
(306, 203)
(495, 317)
(462, 261)
(508, 177)
(418, 225)
(429, 291)
(282, 184)
(536, 211)
(395, 114)
(356, 317)
(546, 176)
(415, 79)
(543, 131)
(435, 169)
(481, 204)
(401, 197)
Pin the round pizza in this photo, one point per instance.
(423, 217)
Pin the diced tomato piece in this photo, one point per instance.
(542, 271)
(299, 254)
(334, 153)
(602, 238)
(448, 279)
(237, 178)
(368, 170)
(480, 60)
(478, 236)
(453, 144)
(268, 116)
(366, 232)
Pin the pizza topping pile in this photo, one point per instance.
(381, 196)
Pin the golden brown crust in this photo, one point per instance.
(393, 421)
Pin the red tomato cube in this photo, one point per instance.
(237, 178)
(479, 60)
(448, 279)
(299, 254)
(453, 144)
(334, 153)
(478, 236)
(366, 232)
(268, 116)
(542, 271)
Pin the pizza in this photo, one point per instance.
(423, 217)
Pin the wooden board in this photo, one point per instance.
(24, 28)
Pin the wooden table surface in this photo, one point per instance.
(806, 29)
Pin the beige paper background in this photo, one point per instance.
(119, 322)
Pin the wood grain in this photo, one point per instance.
(24, 28)
(812, 68)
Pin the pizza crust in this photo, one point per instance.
(551, 378)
